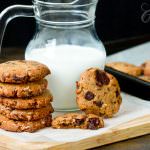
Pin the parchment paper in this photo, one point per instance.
(131, 108)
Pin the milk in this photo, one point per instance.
(66, 63)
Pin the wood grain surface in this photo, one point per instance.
(134, 128)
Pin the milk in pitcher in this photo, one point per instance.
(66, 63)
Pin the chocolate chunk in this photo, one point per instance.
(117, 93)
(89, 95)
(78, 122)
(15, 93)
(16, 78)
(98, 103)
(64, 124)
(93, 123)
(83, 109)
(101, 78)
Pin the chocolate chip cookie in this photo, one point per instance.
(98, 93)
(126, 68)
(146, 68)
(21, 71)
(23, 90)
(26, 115)
(24, 126)
(75, 120)
(30, 103)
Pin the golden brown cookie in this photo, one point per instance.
(21, 71)
(75, 120)
(145, 78)
(26, 115)
(23, 90)
(94, 77)
(24, 126)
(126, 68)
(29, 103)
(146, 68)
(98, 93)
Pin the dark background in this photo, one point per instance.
(117, 21)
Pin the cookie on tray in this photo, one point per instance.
(98, 93)
(126, 68)
(24, 126)
(75, 120)
(26, 115)
(23, 90)
(33, 102)
(22, 71)
(146, 68)
(145, 78)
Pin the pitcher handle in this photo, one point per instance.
(10, 13)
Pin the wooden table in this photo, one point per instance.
(140, 143)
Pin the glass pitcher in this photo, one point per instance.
(65, 40)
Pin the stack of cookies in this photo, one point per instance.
(24, 98)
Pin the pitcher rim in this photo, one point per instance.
(64, 4)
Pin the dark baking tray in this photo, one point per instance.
(131, 84)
